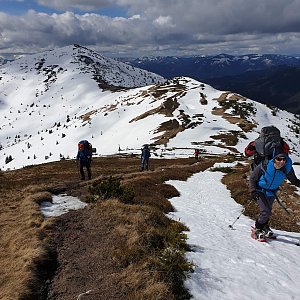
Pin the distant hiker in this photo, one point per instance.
(262, 148)
(264, 184)
(145, 157)
(84, 155)
(196, 153)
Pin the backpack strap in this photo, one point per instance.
(263, 165)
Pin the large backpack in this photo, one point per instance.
(269, 139)
(85, 149)
(265, 145)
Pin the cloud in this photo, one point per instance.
(159, 26)
(164, 21)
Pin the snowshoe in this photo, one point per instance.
(268, 232)
(258, 234)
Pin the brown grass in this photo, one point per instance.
(20, 242)
(229, 139)
(238, 118)
(25, 235)
(116, 246)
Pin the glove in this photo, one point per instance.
(255, 195)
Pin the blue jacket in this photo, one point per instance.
(145, 153)
(83, 156)
(269, 180)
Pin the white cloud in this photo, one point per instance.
(135, 17)
(164, 21)
(232, 25)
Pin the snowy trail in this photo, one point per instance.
(231, 265)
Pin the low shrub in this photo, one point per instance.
(110, 188)
(226, 170)
(172, 261)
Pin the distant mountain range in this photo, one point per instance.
(277, 86)
(270, 79)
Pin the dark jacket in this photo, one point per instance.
(269, 179)
(145, 153)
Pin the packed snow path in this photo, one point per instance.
(229, 264)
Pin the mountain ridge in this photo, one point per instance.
(49, 102)
(252, 75)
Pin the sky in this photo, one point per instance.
(229, 264)
(135, 28)
(39, 92)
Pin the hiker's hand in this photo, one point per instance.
(255, 195)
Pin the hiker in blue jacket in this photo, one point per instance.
(84, 155)
(145, 157)
(264, 183)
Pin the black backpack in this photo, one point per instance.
(85, 150)
(265, 145)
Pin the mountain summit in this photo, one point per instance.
(52, 100)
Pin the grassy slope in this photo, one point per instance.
(125, 241)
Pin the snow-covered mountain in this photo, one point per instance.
(50, 101)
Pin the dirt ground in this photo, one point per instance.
(85, 268)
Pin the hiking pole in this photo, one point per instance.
(280, 203)
(78, 168)
(243, 210)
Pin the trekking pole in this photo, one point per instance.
(77, 168)
(280, 203)
(243, 210)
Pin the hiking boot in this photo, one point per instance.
(268, 232)
(259, 234)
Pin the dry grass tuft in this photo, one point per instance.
(140, 283)
(151, 240)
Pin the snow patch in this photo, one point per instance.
(60, 205)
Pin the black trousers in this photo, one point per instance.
(87, 165)
(144, 163)
(265, 210)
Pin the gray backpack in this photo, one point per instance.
(268, 140)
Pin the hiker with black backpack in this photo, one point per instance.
(264, 184)
(145, 156)
(271, 167)
(262, 148)
(84, 156)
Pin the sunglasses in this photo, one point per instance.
(280, 158)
